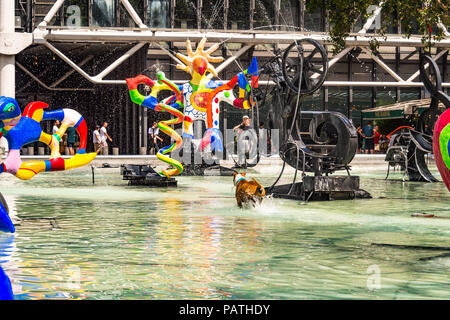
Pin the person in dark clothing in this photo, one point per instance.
(154, 138)
(244, 125)
(369, 136)
(360, 137)
(71, 139)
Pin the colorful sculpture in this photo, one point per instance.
(6, 224)
(6, 292)
(199, 98)
(441, 146)
(431, 78)
(21, 129)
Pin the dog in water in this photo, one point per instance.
(247, 192)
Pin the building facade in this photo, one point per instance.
(77, 53)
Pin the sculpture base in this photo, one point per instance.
(321, 188)
(145, 175)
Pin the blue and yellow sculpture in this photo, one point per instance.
(21, 129)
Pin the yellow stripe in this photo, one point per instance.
(38, 114)
(79, 160)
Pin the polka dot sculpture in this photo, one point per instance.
(199, 99)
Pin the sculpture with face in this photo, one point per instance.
(199, 98)
(22, 129)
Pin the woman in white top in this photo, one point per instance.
(56, 126)
(104, 135)
(97, 140)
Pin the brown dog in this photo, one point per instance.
(247, 191)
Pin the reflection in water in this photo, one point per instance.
(111, 241)
(6, 246)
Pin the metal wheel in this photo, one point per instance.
(312, 64)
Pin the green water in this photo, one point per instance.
(111, 241)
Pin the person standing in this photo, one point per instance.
(104, 136)
(97, 140)
(369, 135)
(360, 138)
(56, 126)
(71, 139)
(244, 125)
(376, 138)
(154, 138)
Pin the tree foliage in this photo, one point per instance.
(425, 14)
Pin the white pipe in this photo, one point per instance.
(68, 61)
(47, 87)
(119, 61)
(383, 65)
(369, 21)
(133, 14)
(444, 28)
(227, 62)
(64, 77)
(95, 79)
(170, 54)
(392, 84)
(7, 76)
(416, 74)
(7, 67)
(335, 59)
(368, 84)
(248, 38)
(50, 14)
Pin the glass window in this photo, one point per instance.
(413, 25)
(313, 20)
(76, 13)
(212, 14)
(186, 14)
(362, 100)
(264, 15)
(314, 102)
(125, 19)
(338, 99)
(158, 14)
(289, 15)
(386, 96)
(103, 13)
(239, 14)
(407, 94)
(389, 21)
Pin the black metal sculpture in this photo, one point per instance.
(409, 148)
